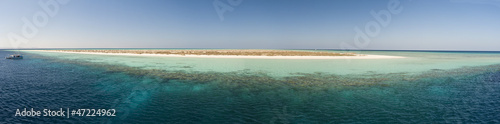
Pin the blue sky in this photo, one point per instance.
(256, 24)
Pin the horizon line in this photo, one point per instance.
(417, 50)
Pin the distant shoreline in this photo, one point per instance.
(245, 54)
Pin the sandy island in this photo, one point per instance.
(251, 54)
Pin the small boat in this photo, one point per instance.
(15, 56)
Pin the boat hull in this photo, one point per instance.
(14, 57)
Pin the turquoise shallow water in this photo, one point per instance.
(425, 87)
(415, 62)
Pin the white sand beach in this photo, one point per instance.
(357, 56)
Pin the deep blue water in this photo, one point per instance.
(141, 97)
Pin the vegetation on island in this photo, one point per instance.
(221, 52)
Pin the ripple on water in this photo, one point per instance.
(468, 95)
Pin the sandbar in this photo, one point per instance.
(245, 54)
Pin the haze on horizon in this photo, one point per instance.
(254, 24)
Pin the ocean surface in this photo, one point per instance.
(424, 87)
